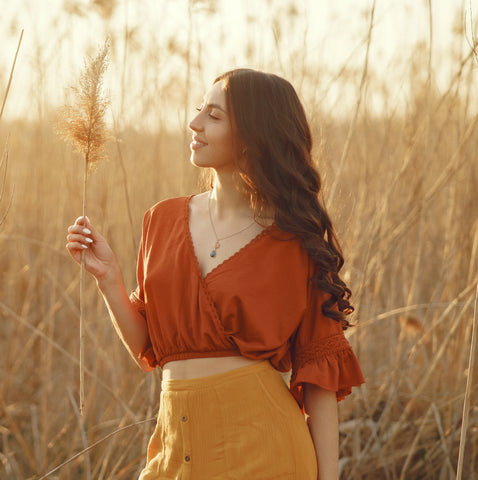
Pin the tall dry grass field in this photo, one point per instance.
(406, 210)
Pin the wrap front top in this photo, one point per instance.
(259, 303)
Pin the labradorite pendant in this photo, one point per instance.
(213, 253)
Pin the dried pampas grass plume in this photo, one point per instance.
(83, 125)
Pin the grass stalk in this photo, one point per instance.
(446, 450)
(412, 449)
(126, 191)
(36, 435)
(473, 42)
(4, 165)
(348, 141)
(79, 454)
(424, 378)
(11, 75)
(469, 380)
(17, 433)
(84, 438)
(456, 163)
(67, 355)
(83, 124)
(83, 300)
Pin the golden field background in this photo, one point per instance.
(402, 185)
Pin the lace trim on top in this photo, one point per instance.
(237, 253)
(320, 349)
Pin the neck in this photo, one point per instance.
(227, 199)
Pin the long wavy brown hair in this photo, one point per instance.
(274, 158)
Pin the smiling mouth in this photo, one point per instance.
(197, 144)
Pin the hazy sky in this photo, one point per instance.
(257, 33)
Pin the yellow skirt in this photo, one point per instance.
(238, 425)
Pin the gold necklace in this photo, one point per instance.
(218, 240)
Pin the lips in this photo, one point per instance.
(197, 144)
(197, 140)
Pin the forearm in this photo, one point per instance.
(128, 322)
(321, 406)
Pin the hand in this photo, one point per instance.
(99, 258)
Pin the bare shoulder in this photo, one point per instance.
(198, 205)
(199, 200)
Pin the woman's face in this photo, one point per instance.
(212, 144)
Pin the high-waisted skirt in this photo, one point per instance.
(240, 425)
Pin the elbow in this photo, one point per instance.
(143, 364)
(146, 368)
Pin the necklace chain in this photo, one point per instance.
(218, 240)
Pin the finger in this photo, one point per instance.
(81, 221)
(76, 229)
(87, 228)
(79, 238)
(75, 249)
(85, 224)
(79, 229)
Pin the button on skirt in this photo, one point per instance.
(241, 424)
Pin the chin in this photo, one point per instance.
(199, 164)
(208, 163)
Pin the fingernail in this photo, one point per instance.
(84, 246)
(89, 240)
(87, 231)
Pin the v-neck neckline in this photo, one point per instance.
(227, 260)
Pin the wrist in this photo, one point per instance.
(109, 281)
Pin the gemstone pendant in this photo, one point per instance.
(213, 252)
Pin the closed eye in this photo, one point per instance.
(210, 115)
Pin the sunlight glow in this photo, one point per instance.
(157, 44)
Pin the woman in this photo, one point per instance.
(235, 285)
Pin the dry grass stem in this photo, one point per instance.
(4, 166)
(469, 380)
(353, 124)
(426, 376)
(11, 75)
(471, 39)
(126, 191)
(83, 124)
(444, 446)
(79, 454)
(84, 438)
(412, 449)
(71, 358)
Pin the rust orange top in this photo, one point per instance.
(258, 303)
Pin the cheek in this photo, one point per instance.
(224, 140)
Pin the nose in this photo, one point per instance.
(194, 124)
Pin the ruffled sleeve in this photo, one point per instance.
(321, 355)
(137, 296)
